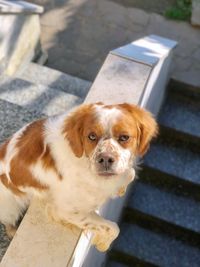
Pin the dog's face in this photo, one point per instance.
(110, 136)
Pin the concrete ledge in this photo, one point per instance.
(20, 36)
(13, 7)
(119, 80)
(39, 242)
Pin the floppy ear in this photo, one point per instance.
(147, 127)
(73, 129)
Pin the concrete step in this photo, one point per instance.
(169, 182)
(13, 117)
(180, 118)
(171, 160)
(154, 248)
(168, 209)
(185, 89)
(38, 74)
(36, 97)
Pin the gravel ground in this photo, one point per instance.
(4, 241)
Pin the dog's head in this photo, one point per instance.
(110, 136)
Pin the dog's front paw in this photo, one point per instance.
(121, 191)
(102, 239)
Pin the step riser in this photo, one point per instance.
(170, 182)
(169, 134)
(129, 260)
(157, 225)
(184, 89)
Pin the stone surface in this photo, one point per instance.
(156, 248)
(5, 241)
(115, 72)
(20, 34)
(174, 160)
(37, 98)
(181, 211)
(42, 75)
(79, 34)
(13, 117)
(195, 19)
(46, 243)
(19, 7)
(181, 113)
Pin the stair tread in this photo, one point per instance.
(182, 114)
(36, 97)
(39, 74)
(178, 210)
(177, 161)
(115, 264)
(156, 248)
(13, 117)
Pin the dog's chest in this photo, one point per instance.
(84, 192)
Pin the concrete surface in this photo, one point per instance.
(37, 98)
(42, 75)
(19, 7)
(19, 38)
(79, 33)
(52, 245)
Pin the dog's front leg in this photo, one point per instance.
(104, 231)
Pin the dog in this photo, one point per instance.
(76, 161)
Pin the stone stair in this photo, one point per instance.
(30, 90)
(161, 221)
(35, 92)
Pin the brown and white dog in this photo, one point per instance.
(75, 161)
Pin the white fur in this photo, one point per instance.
(11, 206)
(107, 117)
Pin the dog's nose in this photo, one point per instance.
(105, 160)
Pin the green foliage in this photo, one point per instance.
(180, 11)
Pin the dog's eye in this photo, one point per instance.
(92, 137)
(123, 138)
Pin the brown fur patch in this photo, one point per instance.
(31, 148)
(31, 143)
(49, 162)
(3, 149)
(146, 126)
(75, 128)
(10, 185)
(21, 176)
